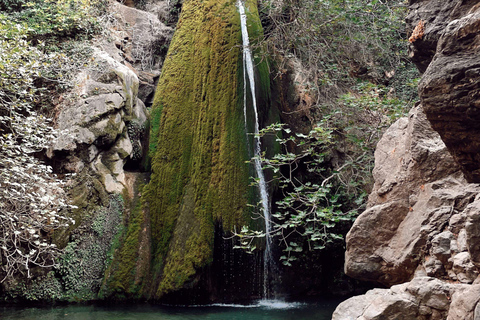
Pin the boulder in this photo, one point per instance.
(98, 126)
(463, 267)
(418, 188)
(424, 208)
(422, 298)
(464, 303)
(450, 91)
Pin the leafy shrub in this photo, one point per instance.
(324, 183)
(352, 59)
(32, 198)
(53, 20)
(337, 41)
(11, 5)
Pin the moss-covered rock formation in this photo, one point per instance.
(198, 150)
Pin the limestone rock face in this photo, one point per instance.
(436, 15)
(103, 124)
(417, 189)
(422, 298)
(419, 233)
(449, 88)
(143, 42)
(420, 230)
(100, 122)
(106, 126)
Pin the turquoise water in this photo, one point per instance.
(265, 311)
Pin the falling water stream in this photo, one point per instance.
(249, 71)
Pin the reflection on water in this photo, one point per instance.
(265, 310)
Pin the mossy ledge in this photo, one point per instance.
(198, 143)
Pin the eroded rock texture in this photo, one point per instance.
(106, 126)
(420, 232)
(435, 15)
(417, 189)
(103, 137)
(449, 89)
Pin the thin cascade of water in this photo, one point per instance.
(262, 185)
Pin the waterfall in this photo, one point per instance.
(262, 185)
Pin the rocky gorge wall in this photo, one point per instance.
(103, 125)
(198, 150)
(419, 235)
(159, 181)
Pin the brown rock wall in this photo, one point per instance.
(449, 89)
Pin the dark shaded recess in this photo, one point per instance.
(148, 100)
(285, 100)
(234, 276)
(319, 274)
(137, 161)
(316, 272)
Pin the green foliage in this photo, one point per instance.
(120, 278)
(32, 200)
(55, 19)
(47, 288)
(308, 211)
(354, 77)
(319, 199)
(11, 5)
(82, 263)
(339, 40)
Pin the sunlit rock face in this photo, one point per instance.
(420, 231)
(419, 234)
(418, 189)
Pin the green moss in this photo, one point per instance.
(128, 260)
(198, 142)
(198, 151)
(82, 264)
(125, 261)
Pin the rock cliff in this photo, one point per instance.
(198, 149)
(419, 233)
(103, 125)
